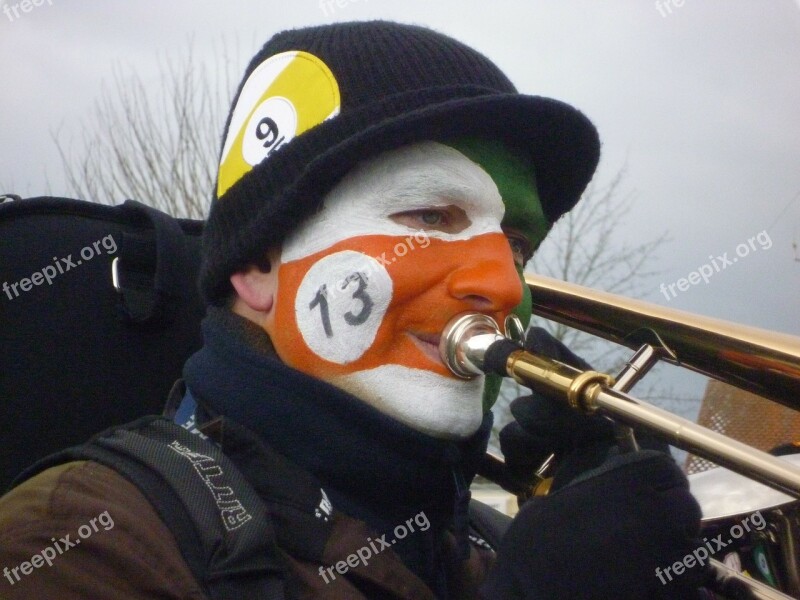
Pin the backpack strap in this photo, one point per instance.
(219, 521)
(487, 526)
(161, 251)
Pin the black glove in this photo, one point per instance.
(609, 534)
(544, 426)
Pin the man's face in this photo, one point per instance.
(365, 287)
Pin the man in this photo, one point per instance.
(375, 181)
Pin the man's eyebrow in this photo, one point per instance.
(433, 197)
(433, 191)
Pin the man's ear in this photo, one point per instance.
(256, 287)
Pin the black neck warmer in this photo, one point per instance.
(372, 467)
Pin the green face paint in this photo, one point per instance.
(516, 181)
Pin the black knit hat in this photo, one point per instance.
(316, 101)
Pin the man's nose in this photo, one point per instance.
(488, 281)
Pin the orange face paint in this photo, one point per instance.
(428, 287)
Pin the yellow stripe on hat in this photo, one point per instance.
(284, 96)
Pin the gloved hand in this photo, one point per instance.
(544, 426)
(609, 534)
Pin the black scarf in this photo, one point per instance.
(373, 467)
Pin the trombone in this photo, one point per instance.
(759, 361)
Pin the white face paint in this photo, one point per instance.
(425, 401)
(419, 176)
(371, 327)
(350, 290)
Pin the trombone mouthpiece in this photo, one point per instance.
(465, 346)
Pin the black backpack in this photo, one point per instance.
(99, 310)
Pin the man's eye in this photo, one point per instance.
(521, 249)
(448, 219)
(432, 217)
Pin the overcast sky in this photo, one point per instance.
(701, 101)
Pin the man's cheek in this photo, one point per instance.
(491, 391)
(524, 309)
(339, 304)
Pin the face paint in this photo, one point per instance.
(404, 243)
(524, 215)
(423, 176)
(348, 289)
(516, 181)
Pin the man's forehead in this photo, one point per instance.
(420, 174)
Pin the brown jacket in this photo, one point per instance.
(81, 531)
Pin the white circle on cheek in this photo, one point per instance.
(340, 305)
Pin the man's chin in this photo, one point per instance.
(439, 406)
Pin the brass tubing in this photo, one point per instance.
(588, 391)
(689, 436)
(763, 362)
(759, 591)
(552, 378)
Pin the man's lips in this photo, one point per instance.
(428, 343)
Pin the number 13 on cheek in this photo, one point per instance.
(341, 303)
(360, 294)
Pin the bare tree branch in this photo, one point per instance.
(156, 144)
(582, 249)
